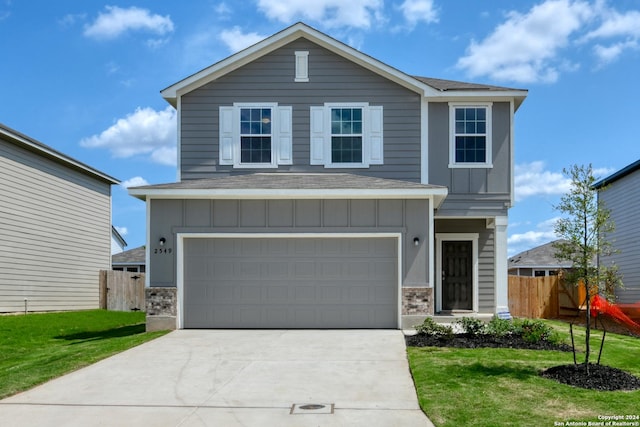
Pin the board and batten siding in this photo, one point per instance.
(407, 217)
(55, 225)
(482, 190)
(622, 198)
(271, 79)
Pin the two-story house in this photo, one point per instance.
(620, 194)
(321, 188)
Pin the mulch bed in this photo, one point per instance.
(604, 378)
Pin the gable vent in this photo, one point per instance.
(302, 66)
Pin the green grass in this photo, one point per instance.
(35, 348)
(502, 387)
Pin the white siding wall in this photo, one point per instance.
(55, 228)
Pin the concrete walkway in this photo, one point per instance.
(235, 378)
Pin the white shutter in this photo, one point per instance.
(226, 135)
(317, 135)
(376, 148)
(284, 136)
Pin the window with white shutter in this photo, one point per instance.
(255, 135)
(346, 135)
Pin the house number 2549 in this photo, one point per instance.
(162, 250)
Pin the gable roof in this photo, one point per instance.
(132, 256)
(425, 86)
(37, 147)
(284, 185)
(627, 170)
(542, 256)
(116, 235)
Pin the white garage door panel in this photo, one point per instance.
(290, 283)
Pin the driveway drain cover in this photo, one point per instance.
(311, 408)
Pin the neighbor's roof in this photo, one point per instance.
(539, 257)
(130, 257)
(627, 170)
(293, 185)
(432, 88)
(37, 147)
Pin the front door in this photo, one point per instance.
(457, 275)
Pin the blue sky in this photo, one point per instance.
(84, 77)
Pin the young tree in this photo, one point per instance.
(582, 231)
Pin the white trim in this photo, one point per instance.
(179, 141)
(435, 194)
(488, 163)
(430, 256)
(147, 252)
(302, 66)
(501, 265)
(237, 135)
(447, 237)
(180, 237)
(424, 141)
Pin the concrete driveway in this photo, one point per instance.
(235, 378)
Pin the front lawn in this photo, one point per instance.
(502, 387)
(35, 348)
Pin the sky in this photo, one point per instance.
(84, 77)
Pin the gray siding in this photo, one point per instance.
(622, 198)
(408, 217)
(472, 192)
(486, 261)
(271, 79)
(56, 233)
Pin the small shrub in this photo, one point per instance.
(430, 327)
(472, 325)
(535, 331)
(500, 327)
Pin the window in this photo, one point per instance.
(346, 135)
(539, 273)
(470, 140)
(255, 135)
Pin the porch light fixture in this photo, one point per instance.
(162, 241)
(416, 241)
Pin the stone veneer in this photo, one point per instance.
(417, 301)
(161, 306)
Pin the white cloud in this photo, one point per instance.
(525, 48)
(145, 131)
(136, 181)
(122, 230)
(542, 233)
(415, 11)
(608, 54)
(236, 40)
(117, 21)
(531, 179)
(330, 13)
(616, 24)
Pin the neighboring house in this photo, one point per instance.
(55, 223)
(117, 241)
(133, 260)
(620, 193)
(537, 262)
(321, 188)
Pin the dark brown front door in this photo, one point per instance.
(457, 277)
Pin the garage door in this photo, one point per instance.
(290, 283)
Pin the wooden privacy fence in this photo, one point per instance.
(121, 290)
(542, 297)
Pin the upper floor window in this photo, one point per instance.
(255, 135)
(346, 135)
(470, 135)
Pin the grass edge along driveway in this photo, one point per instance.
(35, 348)
(502, 387)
